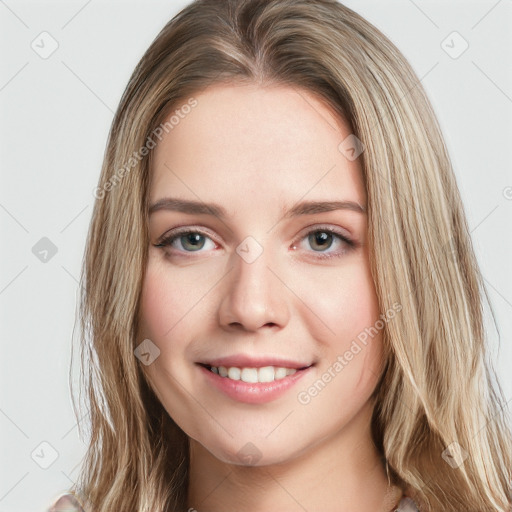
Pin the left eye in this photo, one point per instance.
(323, 239)
(319, 239)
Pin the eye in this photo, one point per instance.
(322, 238)
(190, 240)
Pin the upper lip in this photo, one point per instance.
(246, 361)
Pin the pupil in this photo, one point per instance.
(319, 237)
(194, 239)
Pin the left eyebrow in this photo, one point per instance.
(312, 207)
(302, 208)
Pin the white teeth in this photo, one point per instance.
(280, 373)
(234, 373)
(266, 374)
(253, 375)
(249, 374)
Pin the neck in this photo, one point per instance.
(342, 473)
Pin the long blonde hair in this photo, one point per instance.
(436, 402)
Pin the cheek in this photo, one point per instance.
(171, 299)
(167, 318)
(158, 304)
(175, 308)
(164, 319)
(344, 301)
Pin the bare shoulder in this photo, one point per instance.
(66, 503)
(407, 505)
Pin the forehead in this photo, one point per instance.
(252, 143)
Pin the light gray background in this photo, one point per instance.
(56, 113)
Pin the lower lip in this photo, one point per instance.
(253, 393)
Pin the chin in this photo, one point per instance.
(259, 452)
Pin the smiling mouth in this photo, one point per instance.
(254, 374)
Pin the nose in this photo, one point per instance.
(254, 296)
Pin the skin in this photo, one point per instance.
(67, 503)
(257, 151)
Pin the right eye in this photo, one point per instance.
(185, 240)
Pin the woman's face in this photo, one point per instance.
(260, 282)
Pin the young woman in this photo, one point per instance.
(282, 308)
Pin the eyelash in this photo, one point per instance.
(174, 235)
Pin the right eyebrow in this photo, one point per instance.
(188, 206)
